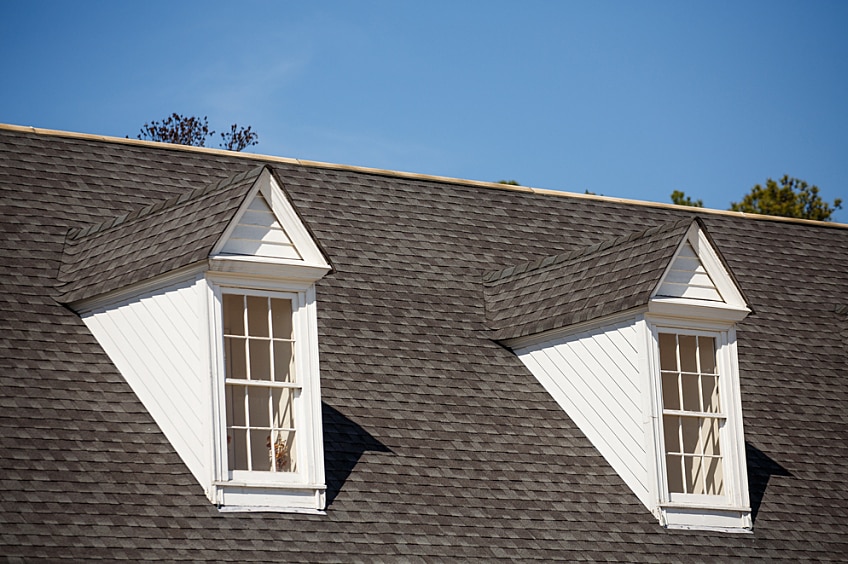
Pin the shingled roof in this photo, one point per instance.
(584, 284)
(151, 241)
(439, 443)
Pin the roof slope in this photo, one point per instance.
(439, 444)
(154, 240)
(607, 278)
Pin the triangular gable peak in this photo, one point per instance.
(266, 228)
(698, 276)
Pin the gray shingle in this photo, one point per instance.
(439, 443)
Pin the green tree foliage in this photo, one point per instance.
(790, 198)
(194, 131)
(509, 182)
(681, 199)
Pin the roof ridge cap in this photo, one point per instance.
(558, 259)
(160, 205)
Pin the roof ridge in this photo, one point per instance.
(558, 259)
(409, 175)
(182, 198)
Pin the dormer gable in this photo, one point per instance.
(698, 277)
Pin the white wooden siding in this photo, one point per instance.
(687, 278)
(155, 342)
(594, 376)
(258, 233)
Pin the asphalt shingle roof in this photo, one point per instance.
(607, 278)
(439, 444)
(154, 240)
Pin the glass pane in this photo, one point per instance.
(235, 405)
(691, 392)
(260, 449)
(283, 366)
(237, 449)
(670, 391)
(284, 451)
(260, 359)
(691, 427)
(706, 350)
(714, 476)
(709, 387)
(668, 351)
(257, 400)
(688, 352)
(234, 358)
(233, 314)
(693, 472)
(674, 466)
(283, 404)
(671, 429)
(257, 316)
(281, 318)
(710, 436)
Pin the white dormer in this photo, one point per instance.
(223, 352)
(656, 388)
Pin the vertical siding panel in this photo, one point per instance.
(153, 340)
(594, 376)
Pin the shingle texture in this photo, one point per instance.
(154, 240)
(604, 279)
(439, 444)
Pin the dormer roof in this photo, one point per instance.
(186, 230)
(604, 279)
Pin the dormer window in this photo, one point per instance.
(260, 384)
(635, 339)
(239, 401)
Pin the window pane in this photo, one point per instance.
(284, 451)
(714, 476)
(237, 449)
(691, 427)
(283, 405)
(709, 387)
(691, 392)
(260, 449)
(281, 318)
(257, 316)
(234, 357)
(257, 400)
(233, 314)
(235, 405)
(670, 391)
(671, 429)
(688, 352)
(674, 466)
(668, 351)
(693, 474)
(283, 366)
(260, 359)
(710, 436)
(707, 352)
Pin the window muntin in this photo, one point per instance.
(261, 387)
(692, 414)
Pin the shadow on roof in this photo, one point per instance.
(344, 444)
(760, 470)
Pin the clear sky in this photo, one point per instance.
(629, 99)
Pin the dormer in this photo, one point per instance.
(635, 339)
(206, 304)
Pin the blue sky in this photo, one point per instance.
(628, 99)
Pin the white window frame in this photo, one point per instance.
(729, 511)
(242, 490)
